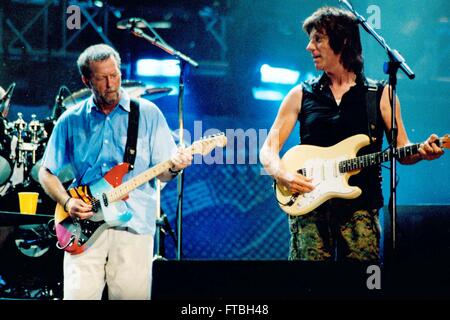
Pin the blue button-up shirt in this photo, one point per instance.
(92, 143)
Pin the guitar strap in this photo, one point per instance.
(372, 107)
(132, 134)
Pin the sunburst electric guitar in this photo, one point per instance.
(107, 197)
(330, 168)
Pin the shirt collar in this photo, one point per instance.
(324, 81)
(124, 102)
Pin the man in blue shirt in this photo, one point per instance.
(90, 139)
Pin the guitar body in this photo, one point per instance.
(321, 164)
(75, 235)
(106, 196)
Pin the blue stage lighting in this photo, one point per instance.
(157, 68)
(278, 75)
(267, 94)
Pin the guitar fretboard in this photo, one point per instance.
(125, 188)
(199, 147)
(376, 158)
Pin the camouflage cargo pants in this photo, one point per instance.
(334, 233)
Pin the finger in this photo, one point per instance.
(85, 215)
(176, 161)
(303, 178)
(433, 137)
(427, 147)
(84, 209)
(187, 158)
(83, 205)
(295, 189)
(422, 153)
(305, 187)
(183, 151)
(184, 158)
(182, 161)
(305, 182)
(75, 213)
(436, 149)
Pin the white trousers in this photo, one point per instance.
(120, 258)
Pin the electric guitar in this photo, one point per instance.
(107, 196)
(330, 168)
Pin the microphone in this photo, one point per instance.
(5, 101)
(58, 108)
(130, 23)
(166, 226)
(164, 223)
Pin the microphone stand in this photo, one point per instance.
(160, 233)
(180, 177)
(5, 101)
(160, 43)
(396, 61)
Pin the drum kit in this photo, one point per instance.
(22, 146)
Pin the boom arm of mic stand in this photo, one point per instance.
(139, 33)
(394, 55)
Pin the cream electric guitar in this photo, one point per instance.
(330, 168)
(107, 197)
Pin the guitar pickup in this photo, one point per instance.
(95, 205)
(105, 199)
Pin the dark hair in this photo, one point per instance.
(98, 52)
(342, 30)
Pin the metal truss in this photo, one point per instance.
(95, 16)
(216, 24)
(45, 35)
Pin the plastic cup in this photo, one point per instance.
(28, 202)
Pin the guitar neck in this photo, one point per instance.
(125, 188)
(202, 147)
(376, 158)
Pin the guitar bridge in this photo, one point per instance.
(95, 205)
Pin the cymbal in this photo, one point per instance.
(76, 97)
(156, 93)
(33, 240)
(2, 92)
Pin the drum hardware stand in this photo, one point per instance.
(135, 25)
(24, 147)
(20, 125)
(159, 236)
(162, 227)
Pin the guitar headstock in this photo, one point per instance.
(207, 144)
(445, 141)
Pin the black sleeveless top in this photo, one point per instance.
(324, 123)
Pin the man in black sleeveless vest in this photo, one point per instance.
(329, 109)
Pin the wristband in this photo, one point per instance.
(65, 203)
(173, 172)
